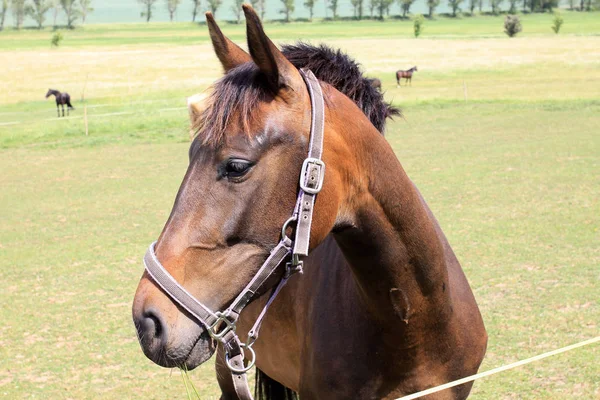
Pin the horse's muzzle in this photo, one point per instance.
(168, 346)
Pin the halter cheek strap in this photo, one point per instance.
(221, 325)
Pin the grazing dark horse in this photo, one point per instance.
(405, 74)
(383, 308)
(375, 82)
(61, 100)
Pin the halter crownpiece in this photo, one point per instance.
(221, 325)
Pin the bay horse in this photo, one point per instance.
(405, 74)
(375, 82)
(62, 99)
(383, 308)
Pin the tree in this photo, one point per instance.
(310, 4)
(147, 10)
(512, 25)
(85, 9)
(259, 6)
(432, 5)
(237, 9)
(56, 39)
(533, 5)
(354, 8)
(333, 5)
(72, 13)
(418, 25)
(405, 5)
(472, 5)
(372, 5)
(196, 9)
(172, 8)
(388, 4)
(549, 5)
(455, 5)
(495, 4)
(513, 6)
(557, 22)
(480, 5)
(214, 5)
(3, 13)
(357, 5)
(55, 6)
(39, 10)
(288, 9)
(383, 6)
(19, 11)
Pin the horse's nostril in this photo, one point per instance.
(157, 325)
(152, 325)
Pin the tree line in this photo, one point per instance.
(73, 10)
(369, 8)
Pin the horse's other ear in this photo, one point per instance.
(196, 105)
(229, 53)
(279, 72)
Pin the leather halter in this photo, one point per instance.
(221, 325)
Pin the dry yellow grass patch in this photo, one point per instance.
(149, 69)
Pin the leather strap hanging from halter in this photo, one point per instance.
(221, 325)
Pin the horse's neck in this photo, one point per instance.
(393, 244)
(56, 93)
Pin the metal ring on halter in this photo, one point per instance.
(285, 226)
(245, 369)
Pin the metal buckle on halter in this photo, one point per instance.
(213, 329)
(312, 175)
(294, 266)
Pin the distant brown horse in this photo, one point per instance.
(383, 308)
(405, 74)
(62, 99)
(376, 83)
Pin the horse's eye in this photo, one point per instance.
(236, 168)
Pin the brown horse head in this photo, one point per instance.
(239, 189)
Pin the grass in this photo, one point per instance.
(511, 174)
(185, 33)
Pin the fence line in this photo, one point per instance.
(93, 115)
(499, 369)
(98, 106)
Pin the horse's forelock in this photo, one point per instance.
(238, 93)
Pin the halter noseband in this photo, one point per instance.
(221, 325)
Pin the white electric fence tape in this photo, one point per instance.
(497, 370)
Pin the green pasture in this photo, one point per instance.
(178, 33)
(500, 135)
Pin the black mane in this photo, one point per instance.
(241, 89)
(344, 74)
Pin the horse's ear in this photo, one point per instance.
(229, 53)
(279, 72)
